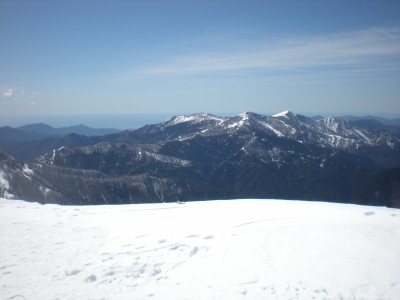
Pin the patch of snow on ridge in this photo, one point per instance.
(244, 119)
(337, 141)
(285, 114)
(236, 124)
(391, 145)
(53, 157)
(27, 170)
(168, 159)
(193, 118)
(3, 181)
(181, 119)
(277, 132)
(232, 249)
(331, 123)
(4, 187)
(360, 133)
(244, 116)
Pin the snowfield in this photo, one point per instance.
(238, 249)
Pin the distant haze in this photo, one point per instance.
(119, 121)
(124, 121)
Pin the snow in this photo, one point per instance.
(167, 159)
(277, 132)
(244, 120)
(237, 124)
(27, 172)
(391, 145)
(237, 249)
(3, 181)
(285, 114)
(331, 123)
(4, 186)
(193, 118)
(336, 141)
(53, 157)
(360, 133)
(182, 119)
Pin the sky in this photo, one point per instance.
(127, 57)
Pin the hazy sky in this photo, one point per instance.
(83, 57)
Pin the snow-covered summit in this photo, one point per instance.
(327, 132)
(286, 114)
(194, 118)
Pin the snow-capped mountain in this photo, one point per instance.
(202, 156)
(328, 132)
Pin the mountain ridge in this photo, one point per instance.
(203, 156)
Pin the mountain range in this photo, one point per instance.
(203, 156)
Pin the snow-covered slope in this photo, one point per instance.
(329, 132)
(240, 249)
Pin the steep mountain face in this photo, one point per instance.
(203, 156)
(114, 159)
(47, 183)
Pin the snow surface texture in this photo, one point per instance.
(239, 249)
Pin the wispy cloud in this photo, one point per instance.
(7, 93)
(374, 48)
(18, 95)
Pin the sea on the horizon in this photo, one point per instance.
(119, 121)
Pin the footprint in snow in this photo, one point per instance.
(72, 272)
(369, 213)
(194, 251)
(244, 292)
(110, 273)
(254, 281)
(91, 278)
(18, 297)
(192, 236)
(175, 247)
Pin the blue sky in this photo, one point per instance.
(99, 57)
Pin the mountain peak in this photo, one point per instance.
(244, 115)
(35, 126)
(198, 117)
(286, 114)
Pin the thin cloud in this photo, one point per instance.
(375, 48)
(7, 93)
(17, 95)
